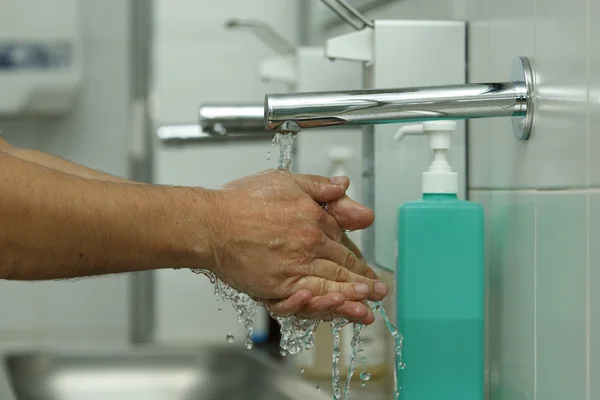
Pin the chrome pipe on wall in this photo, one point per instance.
(294, 112)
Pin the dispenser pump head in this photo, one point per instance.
(439, 179)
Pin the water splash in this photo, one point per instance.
(211, 277)
(398, 339)
(297, 334)
(356, 349)
(336, 326)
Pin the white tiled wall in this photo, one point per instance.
(195, 61)
(541, 197)
(96, 134)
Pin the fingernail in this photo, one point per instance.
(362, 289)
(338, 180)
(380, 289)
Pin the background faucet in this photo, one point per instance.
(294, 112)
(231, 119)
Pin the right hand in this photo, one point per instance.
(352, 216)
(273, 241)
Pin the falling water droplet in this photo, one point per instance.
(363, 384)
(230, 338)
(220, 309)
(302, 371)
(365, 376)
(319, 389)
(283, 353)
(310, 342)
(240, 318)
(401, 365)
(269, 156)
(397, 395)
(249, 344)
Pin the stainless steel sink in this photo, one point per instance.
(206, 374)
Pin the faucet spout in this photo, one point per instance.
(368, 107)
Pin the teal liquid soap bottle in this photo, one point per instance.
(440, 283)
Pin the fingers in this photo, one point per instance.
(322, 189)
(330, 227)
(356, 312)
(346, 241)
(351, 214)
(293, 304)
(319, 286)
(341, 255)
(324, 307)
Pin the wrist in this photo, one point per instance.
(196, 223)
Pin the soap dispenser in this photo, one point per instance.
(440, 282)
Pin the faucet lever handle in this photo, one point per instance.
(406, 130)
(265, 33)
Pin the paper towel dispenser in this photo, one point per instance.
(40, 57)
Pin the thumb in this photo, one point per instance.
(323, 189)
(351, 214)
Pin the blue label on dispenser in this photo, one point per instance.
(35, 56)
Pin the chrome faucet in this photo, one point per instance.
(231, 119)
(218, 123)
(294, 112)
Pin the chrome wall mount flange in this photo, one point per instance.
(522, 73)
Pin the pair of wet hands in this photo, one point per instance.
(309, 266)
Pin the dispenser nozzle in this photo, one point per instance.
(439, 178)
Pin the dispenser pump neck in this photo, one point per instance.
(439, 179)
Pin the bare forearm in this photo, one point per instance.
(59, 226)
(62, 165)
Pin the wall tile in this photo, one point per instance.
(594, 294)
(92, 304)
(561, 295)
(594, 99)
(479, 136)
(511, 35)
(95, 133)
(18, 301)
(560, 134)
(594, 238)
(196, 60)
(96, 340)
(512, 296)
(182, 318)
(485, 199)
